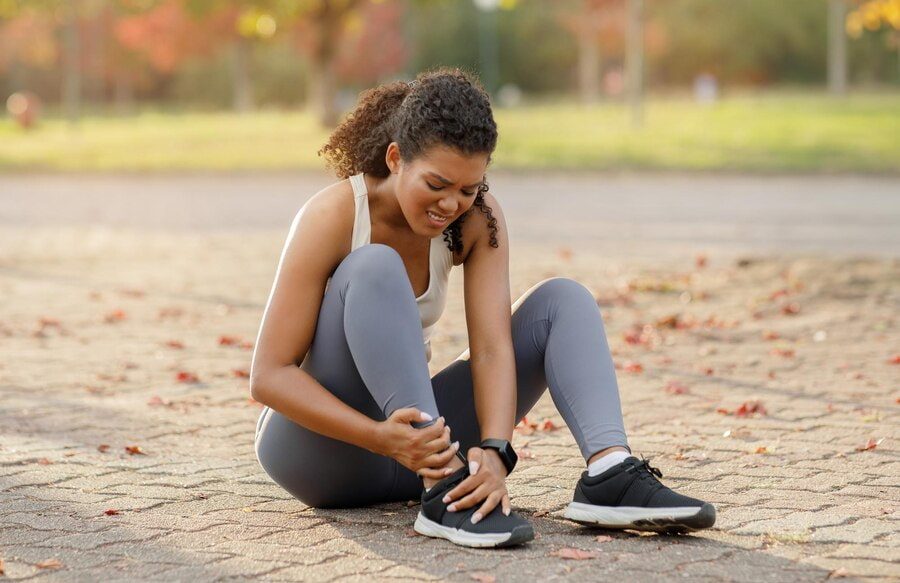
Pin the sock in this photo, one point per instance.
(604, 463)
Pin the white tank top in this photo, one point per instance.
(440, 261)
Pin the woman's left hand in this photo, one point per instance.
(487, 481)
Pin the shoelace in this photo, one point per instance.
(645, 466)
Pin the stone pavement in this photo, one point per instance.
(126, 431)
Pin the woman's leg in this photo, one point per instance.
(368, 351)
(559, 340)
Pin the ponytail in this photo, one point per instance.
(358, 144)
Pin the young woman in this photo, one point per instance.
(351, 415)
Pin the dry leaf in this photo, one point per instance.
(228, 340)
(115, 316)
(675, 388)
(177, 344)
(103, 448)
(49, 564)
(574, 554)
(871, 444)
(240, 373)
(134, 450)
(44, 461)
(111, 512)
(184, 376)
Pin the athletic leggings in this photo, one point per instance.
(368, 351)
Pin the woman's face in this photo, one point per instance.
(436, 187)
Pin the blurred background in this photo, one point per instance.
(747, 85)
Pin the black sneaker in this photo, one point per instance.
(628, 495)
(494, 530)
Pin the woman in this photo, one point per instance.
(351, 416)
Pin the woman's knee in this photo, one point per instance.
(373, 262)
(566, 290)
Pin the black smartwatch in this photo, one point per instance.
(504, 448)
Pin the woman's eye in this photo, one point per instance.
(433, 187)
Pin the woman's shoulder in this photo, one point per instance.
(478, 224)
(331, 212)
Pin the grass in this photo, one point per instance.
(763, 133)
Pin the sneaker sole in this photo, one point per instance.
(428, 527)
(667, 520)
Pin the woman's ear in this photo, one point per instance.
(392, 157)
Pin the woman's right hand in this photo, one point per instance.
(423, 450)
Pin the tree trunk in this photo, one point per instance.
(124, 95)
(72, 81)
(634, 61)
(837, 47)
(588, 68)
(242, 81)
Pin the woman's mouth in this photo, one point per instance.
(436, 220)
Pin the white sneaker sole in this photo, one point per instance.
(678, 518)
(428, 527)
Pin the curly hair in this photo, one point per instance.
(442, 106)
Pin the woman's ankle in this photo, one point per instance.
(454, 465)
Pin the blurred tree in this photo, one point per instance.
(837, 47)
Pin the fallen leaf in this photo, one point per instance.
(525, 427)
(894, 359)
(770, 335)
(748, 408)
(548, 425)
(700, 261)
(177, 344)
(228, 340)
(784, 352)
(633, 367)
(186, 377)
(111, 512)
(44, 461)
(115, 316)
(49, 564)
(871, 444)
(790, 309)
(575, 554)
(240, 373)
(103, 448)
(134, 450)
(675, 388)
(762, 449)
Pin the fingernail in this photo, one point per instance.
(448, 471)
(446, 499)
(425, 416)
(476, 517)
(455, 445)
(473, 468)
(451, 508)
(506, 512)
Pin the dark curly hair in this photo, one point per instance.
(442, 106)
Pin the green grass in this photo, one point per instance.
(770, 132)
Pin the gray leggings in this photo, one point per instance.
(368, 351)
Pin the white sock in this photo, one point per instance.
(599, 466)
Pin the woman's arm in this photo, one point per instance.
(489, 322)
(315, 246)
